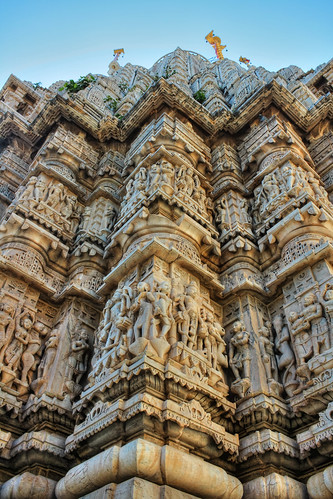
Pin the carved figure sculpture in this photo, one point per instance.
(155, 176)
(77, 363)
(328, 305)
(7, 326)
(199, 195)
(85, 218)
(39, 192)
(68, 206)
(129, 190)
(302, 343)
(267, 354)
(117, 310)
(288, 174)
(55, 195)
(222, 218)
(313, 314)
(218, 345)
(188, 315)
(163, 309)
(240, 358)
(286, 361)
(29, 193)
(243, 208)
(184, 181)
(140, 184)
(29, 356)
(144, 305)
(203, 339)
(167, 173)
(319, 192)
(50, 351)
(270, 187)
(23, 324)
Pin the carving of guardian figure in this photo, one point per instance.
(116, 318)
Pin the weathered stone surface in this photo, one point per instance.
(275, 485)
(166, 283)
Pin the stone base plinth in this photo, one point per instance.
(157, 466)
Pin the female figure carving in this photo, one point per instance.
(23, 325)
(203, 340)
(7, 326)
(239, 353)
(286, 361)
(29, 360)
(50, 351)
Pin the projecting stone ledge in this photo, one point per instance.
(159, 465)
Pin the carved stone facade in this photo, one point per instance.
(166, 284)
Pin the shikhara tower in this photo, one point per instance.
(166, 292)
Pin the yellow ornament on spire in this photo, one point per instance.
(216, 42)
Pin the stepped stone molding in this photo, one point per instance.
(166, 283)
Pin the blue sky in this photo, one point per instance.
(45, 42)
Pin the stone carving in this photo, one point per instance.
(266, 348)
(144, 305)
(188, 315)
(49, 201)
(97, 220)
(50, 351)
(153, 321)
(309, 330)
(181, 183)
(7, 325)
(222, 216)
(286, 360)
(19, 349)
(164, 277)
(240, 358)
(77, 362)
(328, 305)
(281, 186)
